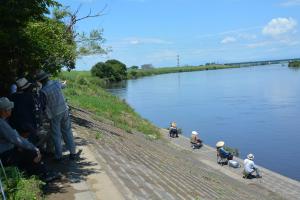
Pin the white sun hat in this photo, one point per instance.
(22, 83)
(220, 144)
(250, 156)
(194, 133)
(173, 124)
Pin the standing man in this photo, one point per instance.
(57, 111)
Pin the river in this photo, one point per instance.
(255, 109)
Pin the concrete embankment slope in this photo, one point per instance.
(141, 168)
(271, 182)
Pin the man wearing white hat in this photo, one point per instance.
(223, 155)
(250, 168)
(24, 112)
(195, 140)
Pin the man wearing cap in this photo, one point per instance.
(24, 112)
(29, 157)
(173, 132)
(250, 168)
(222, 154)
(195, 140)
(57, 111)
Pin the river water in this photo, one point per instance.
(254, 109)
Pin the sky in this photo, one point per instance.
(158, 32)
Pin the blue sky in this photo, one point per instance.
(199, 31)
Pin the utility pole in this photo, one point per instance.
(177, 60)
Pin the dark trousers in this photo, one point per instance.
(173, 133)
(23, 159)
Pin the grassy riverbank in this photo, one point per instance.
(86, 92)
(294, 64)
(137, 73)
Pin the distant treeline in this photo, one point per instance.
(294, 64)
(137, 73)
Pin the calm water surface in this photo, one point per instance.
(254, 109)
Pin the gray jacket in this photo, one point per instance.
(9, 138)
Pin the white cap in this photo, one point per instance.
(250, 156)
(194, 133)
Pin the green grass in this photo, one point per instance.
(164, 70)
(294, 64)
(98, 135)
(86, 92)
(18, 187)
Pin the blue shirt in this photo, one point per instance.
(55, 101)
(9, 138)
(223, 153)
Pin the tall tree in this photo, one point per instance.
(31, 40)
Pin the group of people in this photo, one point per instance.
(21, 119)
(250, 169)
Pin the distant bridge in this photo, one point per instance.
(265, 62)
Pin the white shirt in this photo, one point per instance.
(249, 166)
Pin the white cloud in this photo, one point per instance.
(247, 36)
(288, 3)
(258, 44)
(234, 31)
(136, 41)
(278, 43)
(279, 26)
(228, 39)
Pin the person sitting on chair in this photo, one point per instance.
(222, 155)
(195, 141)
(250, 168)
(173, 132)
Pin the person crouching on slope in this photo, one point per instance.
(250, 168)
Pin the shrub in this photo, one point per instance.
(113, 70)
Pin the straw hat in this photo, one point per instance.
(22, 83)
(220, 144)
(250, 156)
(194, 133)
(173, 124)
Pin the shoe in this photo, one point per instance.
(75, 156)
(50, 176)
(258, 176)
